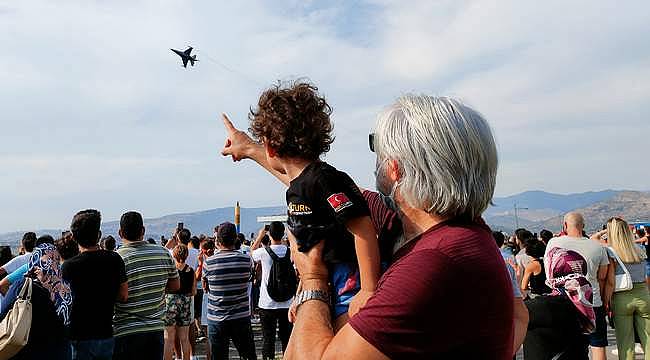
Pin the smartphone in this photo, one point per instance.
(267, 227)
(180, 226)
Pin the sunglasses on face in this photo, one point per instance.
(371, 142)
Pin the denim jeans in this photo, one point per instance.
(99, 349)
(270, 319)
(141, 346)
(241, 333)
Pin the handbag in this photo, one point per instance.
(623, 280)
(14, 328)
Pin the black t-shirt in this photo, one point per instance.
(320, 201)
(554, 328)
(95, 278)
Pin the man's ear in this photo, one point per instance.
(99, 235)
(120, 233)
(393, 170)
(270, 151)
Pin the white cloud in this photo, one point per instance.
(96, 111)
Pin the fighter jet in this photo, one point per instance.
(185, 56)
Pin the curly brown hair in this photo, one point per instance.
(294, 120)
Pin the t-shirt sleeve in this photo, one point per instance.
(604, 256)
(20, 272)
(12, 265)
(414, 290)
(342, 196)
(171, 268)
(257, 255)
(121, 270)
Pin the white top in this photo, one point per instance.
(260, 255)
(594, 253)
(17, 262)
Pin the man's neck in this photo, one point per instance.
(273, 242)
(416, 221)
(86, 249)
(293, 167)
(574, 233)
(127, 241)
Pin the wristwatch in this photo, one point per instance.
(307, 295)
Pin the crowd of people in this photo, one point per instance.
(410, 271)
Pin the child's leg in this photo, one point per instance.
(340, 321)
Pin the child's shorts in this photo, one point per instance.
(346, 283)
(178, 310)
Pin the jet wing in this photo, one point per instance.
(188, 51)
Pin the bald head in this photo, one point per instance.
(574, 223)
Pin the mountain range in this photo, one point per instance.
(535, 210)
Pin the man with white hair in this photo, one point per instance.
(446, 293)
(597, 260)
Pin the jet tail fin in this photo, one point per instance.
(193, 59)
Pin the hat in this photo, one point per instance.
(227, 233)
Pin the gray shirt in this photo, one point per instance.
(593, 252)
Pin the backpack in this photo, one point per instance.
(282, 282)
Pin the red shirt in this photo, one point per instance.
(446, 295)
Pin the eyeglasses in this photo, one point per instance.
(371, 142)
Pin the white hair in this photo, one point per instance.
(445, 151)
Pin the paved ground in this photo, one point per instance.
(257, 332)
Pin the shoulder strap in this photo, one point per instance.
(271, 253)
(26, 291)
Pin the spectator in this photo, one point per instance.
(272, 313)
(631, 307)
(193, 251)
(558, 322)
(51, 303)
(522, 259)
(151, 241)
(29, 241)
(67, 248)
(520, 314)
(178, 307)
(5, 254)
(597, 262)
(545, 236)
(534, 278)
(108, 243)
(138, 323)
(207, 250)
(98, 279)
(45, 239)
(436, 168)
(225, 276)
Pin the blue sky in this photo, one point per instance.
(97, 112)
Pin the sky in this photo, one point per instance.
(96, 111)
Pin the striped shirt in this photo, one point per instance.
(227, 273)
(148, 268)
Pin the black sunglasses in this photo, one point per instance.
(371, 142)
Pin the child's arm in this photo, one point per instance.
(367, 248)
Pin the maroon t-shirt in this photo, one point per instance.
(446, 295)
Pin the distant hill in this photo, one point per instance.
(202, 222)
(544, 211)
(538, 206)
(630, 205)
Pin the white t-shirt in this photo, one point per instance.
(594, 253)
(17, 262)
(260, 255)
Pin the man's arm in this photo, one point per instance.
(240, 146)
(258, 240)
(610, 283)
(602, 279)
(123, 292)
(520, 323)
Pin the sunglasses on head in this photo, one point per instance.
(371, 142)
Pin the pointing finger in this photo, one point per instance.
(228, 124)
